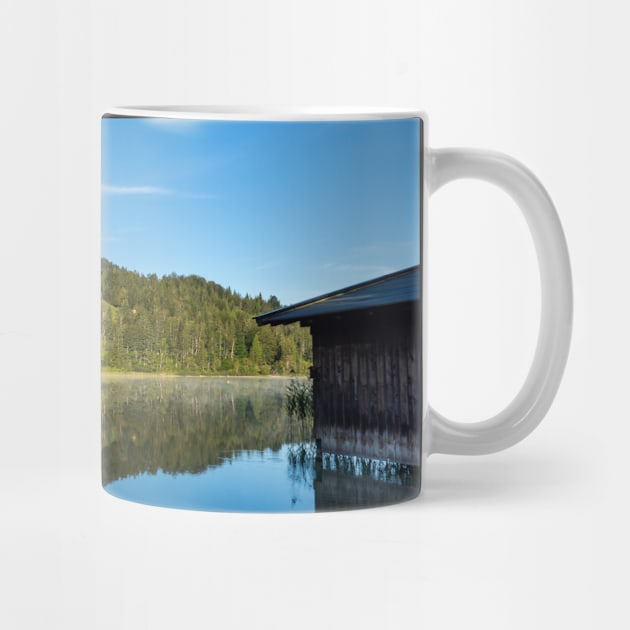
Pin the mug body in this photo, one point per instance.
(261, 300)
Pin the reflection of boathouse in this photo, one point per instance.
(366, 366)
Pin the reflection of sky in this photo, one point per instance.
(293, 209)
(252, 481)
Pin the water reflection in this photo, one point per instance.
(227, 444)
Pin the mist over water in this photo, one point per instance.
(226, 444)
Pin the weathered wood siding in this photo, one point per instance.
(366, 383)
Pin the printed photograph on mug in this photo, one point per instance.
(260, 308)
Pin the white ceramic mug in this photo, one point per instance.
(279, 255)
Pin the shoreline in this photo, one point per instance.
(107, 373)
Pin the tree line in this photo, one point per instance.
(189, 325)
(186, 426)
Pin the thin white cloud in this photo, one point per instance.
(154, 190)
(136, 190)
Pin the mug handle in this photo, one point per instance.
(533, 400)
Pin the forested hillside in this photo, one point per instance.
(188, 325)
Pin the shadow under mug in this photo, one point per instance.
(262, 307)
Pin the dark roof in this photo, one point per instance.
(394, 288)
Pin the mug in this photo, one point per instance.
(262, 338)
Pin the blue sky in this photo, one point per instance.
(292, 209)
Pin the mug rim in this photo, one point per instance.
(261, 113)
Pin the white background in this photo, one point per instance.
(535, 537)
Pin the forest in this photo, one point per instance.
(189, 325)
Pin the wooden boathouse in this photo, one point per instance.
(366, 366)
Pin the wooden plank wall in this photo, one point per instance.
(366, 384)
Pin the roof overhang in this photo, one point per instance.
(394, 288)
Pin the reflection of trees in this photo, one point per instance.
(186, 424)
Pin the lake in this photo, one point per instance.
(227, 444)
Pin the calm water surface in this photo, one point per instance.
(226, 444)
